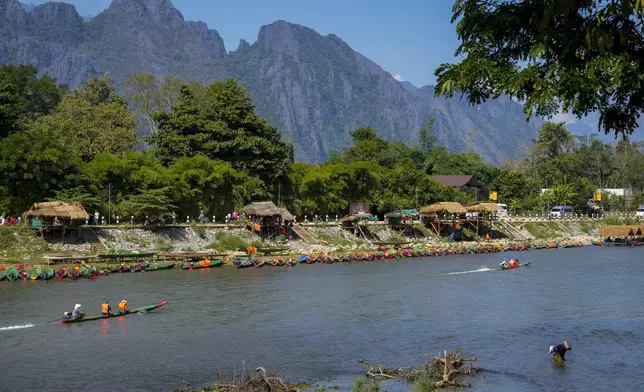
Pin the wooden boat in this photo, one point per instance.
(160, 266)
(260, 263)
(61, 274)
(213, 263)
(524, 264)
(244, 263)
(291, 262)
(133, 311)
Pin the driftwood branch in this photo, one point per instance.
(443, 370)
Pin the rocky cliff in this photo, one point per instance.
(315, 88)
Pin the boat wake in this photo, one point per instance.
(470, 271)
(16, 327)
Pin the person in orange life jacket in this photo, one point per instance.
(123, 308)
(106, 309)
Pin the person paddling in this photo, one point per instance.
(106, 309)
(559, 351)
(123, 308)
(77, 313)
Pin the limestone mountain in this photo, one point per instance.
(315, 88)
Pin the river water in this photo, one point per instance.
(312, 322)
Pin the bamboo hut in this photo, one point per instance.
(479, 216)
(267, 219)
(620, 235)
(438, 216)
(402, 220)
(55, 217)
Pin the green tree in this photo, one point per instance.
(37, 95)
(225, 129)
(25, 96)
(513, 185)
(91, 121)
(579, 56)
(149, 95)
(152, 206)
(563, 194)
(426, 135)
(33, 167)
(215, 188)
(78, 195)
(367, 146)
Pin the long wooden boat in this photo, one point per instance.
(143, 309)
(213, 263)
(160, 266)
(524, 264)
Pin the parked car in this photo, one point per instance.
(640, 212)
(561, 212)
(503, 211)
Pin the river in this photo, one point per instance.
(311, 322)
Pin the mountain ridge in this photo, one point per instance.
(315, 87)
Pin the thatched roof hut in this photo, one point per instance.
(448, 207)
(620, 231)
(267, 209)
(60, 209)
(484, 208)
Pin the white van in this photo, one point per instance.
(561, 212)
(503, 211)
(640, 212)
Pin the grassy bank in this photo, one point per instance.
(19, 244)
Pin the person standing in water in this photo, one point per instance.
(559, 351)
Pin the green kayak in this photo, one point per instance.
(159, 266)
(12, 274)
(144, 309)
(35, 273)
(49, 274)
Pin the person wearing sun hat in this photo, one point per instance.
(559, 351)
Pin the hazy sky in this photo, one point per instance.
(408, 38)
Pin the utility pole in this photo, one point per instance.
(109, 203)
(279, 194)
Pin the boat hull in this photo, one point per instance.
(212, 264)
(133, 311)
(527, 263)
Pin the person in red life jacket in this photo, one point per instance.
(106, 309)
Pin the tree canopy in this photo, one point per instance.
(222, 125)
(575, 56)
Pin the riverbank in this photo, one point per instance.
(20, 245)
(139, 262)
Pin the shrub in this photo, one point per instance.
(365, 385)
(227, 241)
